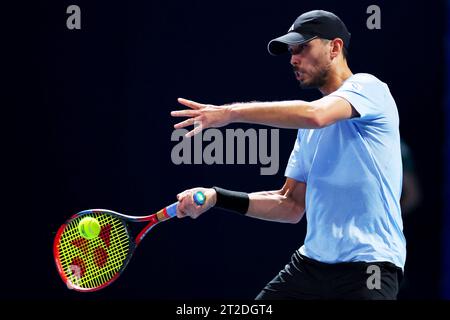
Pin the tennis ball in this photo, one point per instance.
(89, 228)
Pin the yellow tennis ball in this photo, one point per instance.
(89, 228)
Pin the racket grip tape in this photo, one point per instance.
(168, 212)
(171, 211)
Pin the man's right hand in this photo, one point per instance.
(188, 208)
(205, 115)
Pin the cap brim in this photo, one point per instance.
(280, 45)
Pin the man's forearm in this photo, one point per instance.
(273, 206)
(283, 114)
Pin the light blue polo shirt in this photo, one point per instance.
(353, 175)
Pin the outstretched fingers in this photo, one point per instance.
(185, 113)
(193, 132)
(191, 104)
(194, 115)
(185, 123)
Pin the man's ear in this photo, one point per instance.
(336, 46)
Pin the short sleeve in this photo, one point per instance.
(365, 93)
(294, 168)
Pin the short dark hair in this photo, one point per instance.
(344, 48)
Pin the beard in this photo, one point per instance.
(316, 80)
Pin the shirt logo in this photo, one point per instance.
(356, 86)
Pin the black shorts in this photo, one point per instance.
(305, 278)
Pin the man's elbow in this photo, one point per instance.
(319, 119)
(314, 118)
(297, 215)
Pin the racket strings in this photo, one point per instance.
(91, 272)
(92, 263)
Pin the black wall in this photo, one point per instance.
(86, 124)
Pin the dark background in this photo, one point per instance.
(86, 124)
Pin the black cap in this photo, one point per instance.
(308, 26)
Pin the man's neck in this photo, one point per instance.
(336, 79)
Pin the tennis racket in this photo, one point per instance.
(88, 265)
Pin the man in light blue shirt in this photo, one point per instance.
(353, 171)
(345, 171)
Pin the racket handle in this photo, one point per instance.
(168, 212)
(171, 211)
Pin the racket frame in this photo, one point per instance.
(153, 219)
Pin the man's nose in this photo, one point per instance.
(295, 60)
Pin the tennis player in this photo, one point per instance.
(344, 172)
